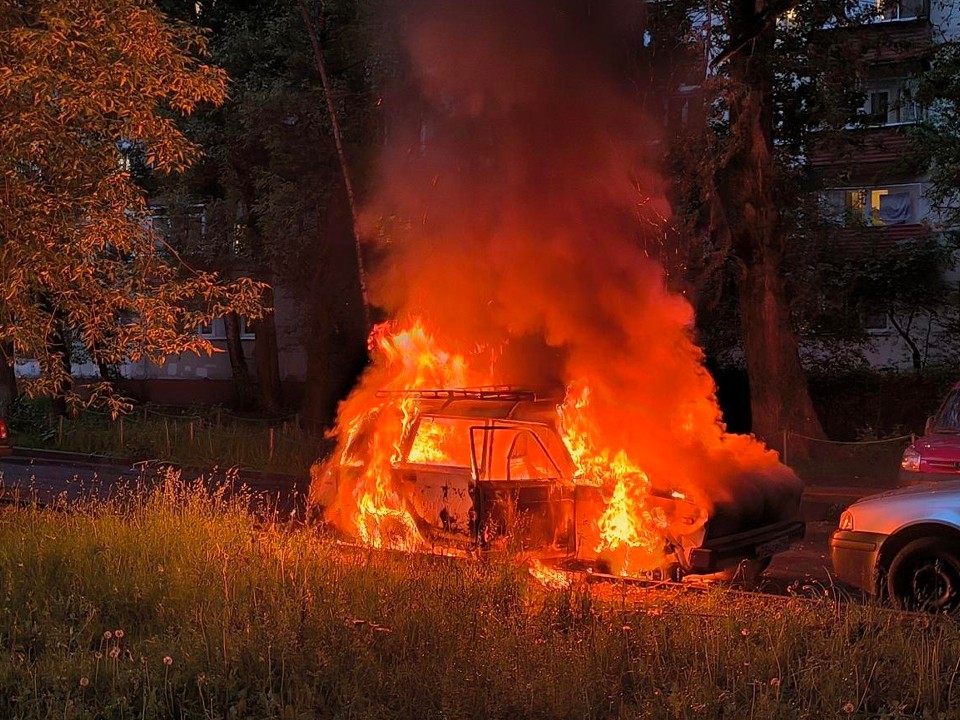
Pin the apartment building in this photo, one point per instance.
(871, 179)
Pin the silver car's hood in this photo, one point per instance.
(933, 488)
(937, 502)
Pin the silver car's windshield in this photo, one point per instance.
(948, 419)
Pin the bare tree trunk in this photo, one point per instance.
(242, 386)
(747, 183)
(916, 357)
(337, 333)
(265, 355)
(59, 346)
(8, 378)
(341, 156)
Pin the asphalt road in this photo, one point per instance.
(48, 480)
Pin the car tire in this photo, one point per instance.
(925, 575)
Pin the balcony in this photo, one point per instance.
(863, 241)
(867, 156)
(903, 40)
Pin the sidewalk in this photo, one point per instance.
(825, 502)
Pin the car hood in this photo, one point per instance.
(890, 511)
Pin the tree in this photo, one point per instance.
(744, 177)
(80, 80)
(938, 136)
(271, 183)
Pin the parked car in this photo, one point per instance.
(506, 473)
(903, 545)
(5, 448)
(935, 456)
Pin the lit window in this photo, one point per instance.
(881, 206)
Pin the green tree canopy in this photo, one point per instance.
(84, 84)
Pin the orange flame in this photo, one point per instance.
(374, 420)
(630, 533)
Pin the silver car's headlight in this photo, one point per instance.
(910, 460)
(846, 520)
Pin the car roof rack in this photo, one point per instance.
(486, 392)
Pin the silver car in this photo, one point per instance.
(903, 545)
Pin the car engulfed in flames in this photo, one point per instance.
(426, 463)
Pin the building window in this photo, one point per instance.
(246, 332)
(878, 207)
(890, 104)
(876, 322)
(208, 330)
(883, 10)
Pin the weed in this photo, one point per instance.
(171, 602)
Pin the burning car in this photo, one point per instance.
(504, 468)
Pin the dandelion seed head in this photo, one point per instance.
(118, 634)
(115, 653)
(849, 708)
(84, 681)
(167, 660)
(107, 635)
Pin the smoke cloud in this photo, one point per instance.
(522, 212)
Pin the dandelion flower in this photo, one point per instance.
(744, 632)
(167, 660)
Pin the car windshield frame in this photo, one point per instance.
(947, 419)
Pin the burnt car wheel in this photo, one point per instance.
(925, 575)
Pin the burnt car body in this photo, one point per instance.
(506, 479)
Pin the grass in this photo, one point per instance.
(171, 603)
(155, 434)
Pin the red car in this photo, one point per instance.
(936, 454)
(5, 448)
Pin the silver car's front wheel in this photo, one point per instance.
(925, 575)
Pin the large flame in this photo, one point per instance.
(629, 531)
(375, 507)
(372, 424)
(523, 216)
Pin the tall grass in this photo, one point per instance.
(172, 603)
